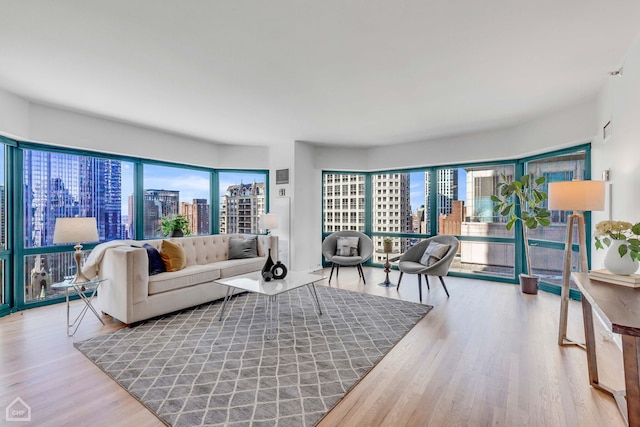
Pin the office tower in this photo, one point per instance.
(65, 185)
(158, 204)
(242, 205)
(198, 215)
(343, 200)
(391, 211)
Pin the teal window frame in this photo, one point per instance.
(516, 240)
(15, 252)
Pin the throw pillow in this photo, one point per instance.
(347, 246)
(173, 256)
(435, 252)
(156, 265)
(243, 248)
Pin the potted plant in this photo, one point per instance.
(175, 226)
(387, 244)
(623, 240)
(523, 200)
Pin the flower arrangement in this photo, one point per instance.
(607, 231)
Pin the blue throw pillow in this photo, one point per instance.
(156, 265)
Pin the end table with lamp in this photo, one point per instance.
(77, 230)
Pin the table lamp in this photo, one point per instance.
(76, 230)
(576, 196)
(268, 222)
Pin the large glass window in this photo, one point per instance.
(59, 185)
(3, 225)
(464, 201)
(546, 259)
(66, 185)
(411, 205)
(243, 198)
(171, 191)
(343, 202)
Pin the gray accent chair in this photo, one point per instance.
(365, 251)
(410, 261)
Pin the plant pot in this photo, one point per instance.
(387, 247)
(622, 265)
(529, 284)
(176, 233)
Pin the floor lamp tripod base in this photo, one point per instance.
(566, 277)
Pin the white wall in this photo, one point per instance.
(14, 115)
(49, 125)
(282, 157)
(306, 251)
(619, 102)
(563, 128)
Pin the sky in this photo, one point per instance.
(416, 189)
(192, 184)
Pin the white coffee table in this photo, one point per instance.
(253, 282)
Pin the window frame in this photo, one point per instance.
(519, 254)
(15, 253)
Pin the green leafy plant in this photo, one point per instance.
(522, 200)
(174, 223)
(607, 231)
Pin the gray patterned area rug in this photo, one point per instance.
(191, 370)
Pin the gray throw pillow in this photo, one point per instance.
(347, 246)
(243, 248)
(435, 252)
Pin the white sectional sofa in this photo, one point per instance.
(130, 294)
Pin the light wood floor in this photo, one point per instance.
(485, 356)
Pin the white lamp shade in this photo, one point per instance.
(75, 230)
(576, 196)
(268, 221)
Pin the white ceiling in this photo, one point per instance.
(351, 72)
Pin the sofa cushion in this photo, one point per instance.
(173, 256)
(156, 264)
(243, 248)
(188, 276)
(233, 267)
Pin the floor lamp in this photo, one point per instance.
(576, 196)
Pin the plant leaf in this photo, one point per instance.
(540, 180)
(622, 250)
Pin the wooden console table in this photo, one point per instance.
(619, 306)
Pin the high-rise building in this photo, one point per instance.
(344, 206)
(343, 200)
(446, 193)
(3, 220)
(391, 211)
(157, 204)
(65, 185)
(198, 215)
(242, 205)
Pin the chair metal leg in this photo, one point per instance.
(420, 286)
(427, 279)
(331, 274)
(337, 270)
(444, 286)
(399, 280)
(362, 273)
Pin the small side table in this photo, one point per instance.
(387, 269)
(80, 288)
